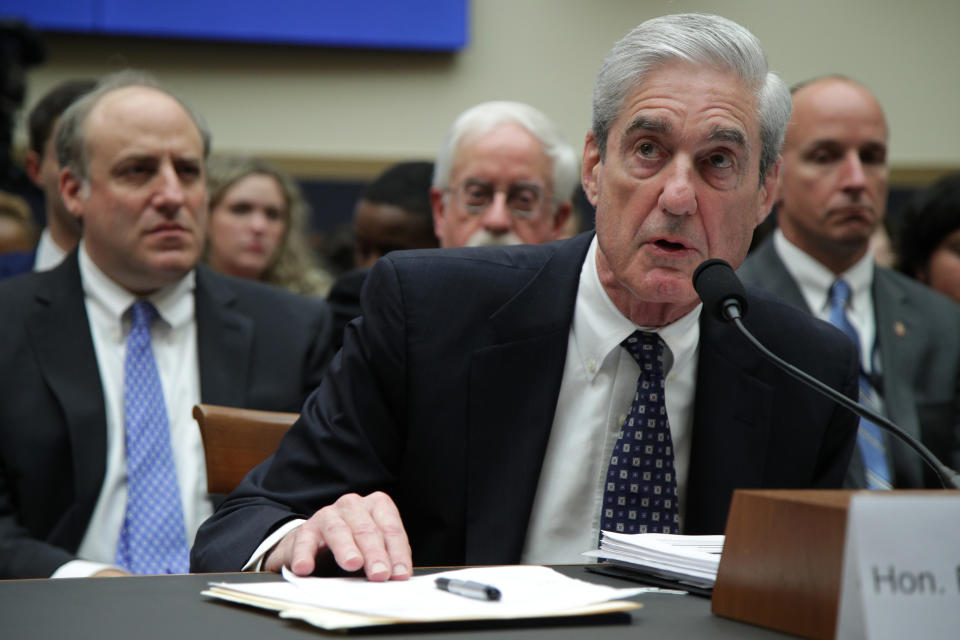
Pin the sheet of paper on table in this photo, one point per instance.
(695, 559)
(343, 603)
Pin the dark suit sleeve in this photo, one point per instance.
(348, 438)
(22, 555)
(52, 441)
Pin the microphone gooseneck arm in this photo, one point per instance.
(948, 477)
(723, 296)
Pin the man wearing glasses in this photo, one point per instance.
(503, 176)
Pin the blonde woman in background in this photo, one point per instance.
(257, 227)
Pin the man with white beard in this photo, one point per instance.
(504, 175)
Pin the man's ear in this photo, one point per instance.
(437, 205)
(590, 173)
(769, 190)
(32, 162)
(72, 192)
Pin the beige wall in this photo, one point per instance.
(334, 112)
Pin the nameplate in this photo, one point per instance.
(901, 567)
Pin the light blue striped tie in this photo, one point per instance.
(153, 538)
(869, 436)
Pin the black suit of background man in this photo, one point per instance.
(259, 347)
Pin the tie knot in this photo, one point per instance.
(142, 314)
(645, 348)
(840, 293)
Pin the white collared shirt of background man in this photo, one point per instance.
(815, 281)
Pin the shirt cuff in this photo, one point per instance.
(80, 569)
(256, 560)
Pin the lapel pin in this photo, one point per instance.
(900, 329)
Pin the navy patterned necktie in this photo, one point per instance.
(641, 489)
(869, 437)
(153, 538)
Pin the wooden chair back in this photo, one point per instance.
(236, 440)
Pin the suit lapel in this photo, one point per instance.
(731, 425)
(513, 396)
(59, 332)
(224, 342)
(774, 277)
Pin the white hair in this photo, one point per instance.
(485, 117)
(702, 39)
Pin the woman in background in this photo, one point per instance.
(930, 237)
(257, 227)
(18, 231)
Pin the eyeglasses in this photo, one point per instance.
(525, 200)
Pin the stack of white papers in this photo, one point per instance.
(691, 560)
(343, 603)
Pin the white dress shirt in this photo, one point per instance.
(815, 281)
(174, 340)
(597, 389)
(49, 253)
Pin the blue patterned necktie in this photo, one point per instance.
(641, 489)
(153, 537)
(869, 436)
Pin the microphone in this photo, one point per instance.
(720, 289)
(725, 298)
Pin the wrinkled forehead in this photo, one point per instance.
(681, 94)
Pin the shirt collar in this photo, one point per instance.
(815, 280)
(174, 303)
(599, 327)
(49, 253)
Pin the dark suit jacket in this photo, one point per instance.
(259, 347)
(918, 336)
(444, 396)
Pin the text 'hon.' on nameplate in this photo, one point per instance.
(901, 567)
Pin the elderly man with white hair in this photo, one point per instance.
(503, 176)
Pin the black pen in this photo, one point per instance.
(468, 588)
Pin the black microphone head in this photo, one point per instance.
(718, 285)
